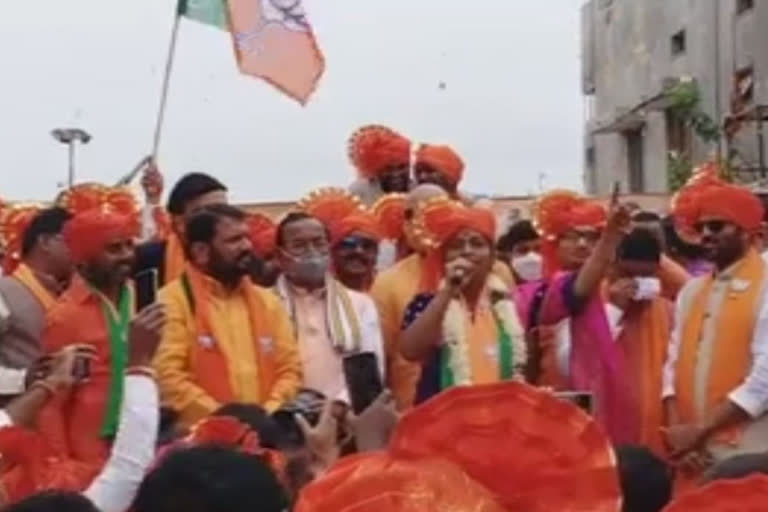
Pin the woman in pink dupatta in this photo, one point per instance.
(571, 227)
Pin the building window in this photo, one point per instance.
(635, 164)
(678, 43)
(744, 5)
(743, 92)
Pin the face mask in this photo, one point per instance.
(308, 269)
(528, 267)
(648, 288)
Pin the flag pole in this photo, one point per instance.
(166, 83)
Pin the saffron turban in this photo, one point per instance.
(88, 233)
(330, 204)
(745, 495)
(389, 211)
(443, 159)
(706, 195)
(360, 222)
(263, 234)
(556, 213)
(375, 148)
(376, 482)
(14, 221)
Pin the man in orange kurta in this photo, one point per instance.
(716, 378)
(96, 311)
(226, 340)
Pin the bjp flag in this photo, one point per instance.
(274, 41)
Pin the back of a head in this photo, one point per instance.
(270, 434)
(520, 231)
(646, 481)
(739, 467)
(423, 192)
(640, 244)
(190, 187)
(211, 479)
(201, 226)
(53, 501)
(48, 222)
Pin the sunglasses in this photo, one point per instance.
(713, 226)
(352, 243)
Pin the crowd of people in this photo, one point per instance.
(387, 346)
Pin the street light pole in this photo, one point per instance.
(70, 137)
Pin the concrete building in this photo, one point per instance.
(635, 51)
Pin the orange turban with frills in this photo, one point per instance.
(440, 219)
(556, 213)
(745, 495)
(88, 233)
(14, 221)
(362, 222)
(706, 194)
(263, 234)
(330, 204)
(376, 482)
(442, 159)
(389, 211)
(375, 148)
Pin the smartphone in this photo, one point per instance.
(582, 399)
(364, 383)
(81, 370)
(146, 288)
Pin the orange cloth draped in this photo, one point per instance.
(644, 340)
(732, 354)
(748, 494)
(443, 159)
(361, 222)
(202, 363)
(88, 232)
(27, 277)
(175, 260)
(72, 422)
(377, 482)
(375, 148)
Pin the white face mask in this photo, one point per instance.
(648, 288)
(528, 267)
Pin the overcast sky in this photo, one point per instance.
(511, 102)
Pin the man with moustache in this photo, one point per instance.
(96, 310)
(382, 159)
(715, 383)
(226, 340)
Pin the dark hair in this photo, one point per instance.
(676, 245)
(211, 479)
(739, 466)
(190, 187)
(646, 216)
(201, 226)
(292, 218)
(270, 434)
(639, 245)
(58, 501)
(48, 222)
(520, 231)
(646, 481)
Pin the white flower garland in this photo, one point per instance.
(455, 332)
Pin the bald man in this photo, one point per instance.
(394, 289)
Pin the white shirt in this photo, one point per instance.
(133, 450)
(12, 381)
(752, 394)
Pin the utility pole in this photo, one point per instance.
(70, 137)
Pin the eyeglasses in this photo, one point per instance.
(713, 226)
(352, 243)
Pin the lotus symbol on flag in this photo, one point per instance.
(289, 13)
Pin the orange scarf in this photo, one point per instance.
(732, 352)
(214, 363)
(27, 277)
(644, 340)
(175, 261)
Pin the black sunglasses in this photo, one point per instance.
(352, 243)
(713, 226)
